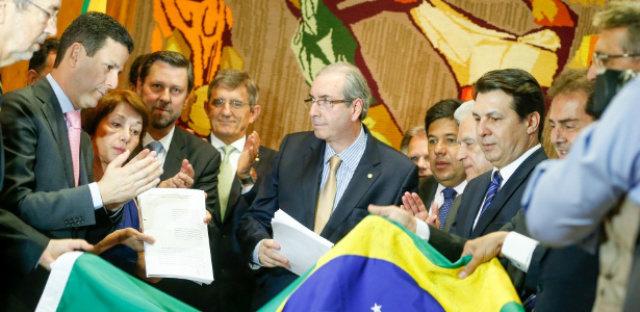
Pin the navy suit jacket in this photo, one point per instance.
(504, 206)
(382, 176)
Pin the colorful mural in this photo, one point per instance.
(412, 52)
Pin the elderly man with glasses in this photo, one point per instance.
(324, 179)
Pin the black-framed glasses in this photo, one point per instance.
(600, 58)
(52, 17)
(323, 103)
(234, 104)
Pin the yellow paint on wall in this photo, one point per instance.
(97, 6)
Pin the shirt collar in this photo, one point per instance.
(357, 147)
(509, 169)
(237, 144)
(165, 141)
(63, 99)
(459, 188)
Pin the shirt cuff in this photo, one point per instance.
(95, 195)
(519, 250)
(422, 229)
(246, 189)
(256, 261)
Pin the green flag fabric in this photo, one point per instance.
(85, 282)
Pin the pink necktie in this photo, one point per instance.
(73, 117)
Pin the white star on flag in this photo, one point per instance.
(376, 308)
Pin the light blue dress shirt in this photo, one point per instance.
(566, 200)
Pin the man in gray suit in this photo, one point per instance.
(49, 160)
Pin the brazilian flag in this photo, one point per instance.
(380, 266)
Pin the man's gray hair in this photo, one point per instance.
(355, 85)
(406, 139)
(622, 14)
(465, 109)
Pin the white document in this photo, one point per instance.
(174, 217)
(301, 246)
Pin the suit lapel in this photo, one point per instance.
(53, 113)
(506, 192)
(175, 155)
(311, 179)
(474, 202)
(366, 174)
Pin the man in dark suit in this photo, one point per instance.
(232, 106)
(509, 111)
(326, 178)
(49, 160)
(164, 84)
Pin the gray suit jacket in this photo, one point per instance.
(39, 186)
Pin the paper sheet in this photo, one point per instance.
(301, 246)
(174, 217)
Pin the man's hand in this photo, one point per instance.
(396, 214)
(57, 247)
(269, 257)
(248, 155)
(412, 203)
(119, 184)
(182, 179)
(129, 237)
(207, 216)
(482, 249)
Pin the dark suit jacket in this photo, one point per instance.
(427, 190)
(563, 279)
(39, 186)
(453, 212)
(504, 206)
(205, 160)
(382, 176)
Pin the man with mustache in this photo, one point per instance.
(164, 84)
(49, 160)
(324, 179)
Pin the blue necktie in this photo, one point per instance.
(449, 196)
(493, 189)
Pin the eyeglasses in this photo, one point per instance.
(600, 58)
(51, 17)
(234, 104)
(323, 103)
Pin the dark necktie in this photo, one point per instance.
(493, 190)
(449, 196)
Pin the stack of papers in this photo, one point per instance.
(301, 246)
(174, 217)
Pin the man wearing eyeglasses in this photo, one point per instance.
(232, 107)
(595, 190)
(618, 46)
(324, 179)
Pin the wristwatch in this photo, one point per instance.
(250, 180)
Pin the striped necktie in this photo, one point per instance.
(493, 190)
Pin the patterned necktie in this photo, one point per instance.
(493, 189)
(449, 196)
(73, 118)
(327, 196)
(225, 180)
